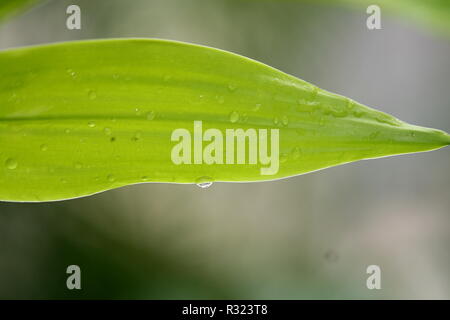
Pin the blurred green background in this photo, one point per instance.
(310, 236)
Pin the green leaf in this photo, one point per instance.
(11, 7)
(78, 118)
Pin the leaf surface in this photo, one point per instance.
(78, 118)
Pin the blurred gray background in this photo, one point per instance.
(311, 236)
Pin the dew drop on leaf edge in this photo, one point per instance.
(204, 182)
(204, 185)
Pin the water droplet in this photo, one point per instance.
(350, 104)
(339, 113)
(234, 117)
(107, 131)
(78, 165)
(283, 158)
(111, 178)
(62, 180)
(112, 139)
(14, 98)
(71, 73)
(327, 111)
(314, 92)
(257, 107)
(144, 178)
(138, 111)
(204, 182)
(92, 94)
(44, 147)
(386, 120)
(151, 115)
(167, 77)
(285, 120)
(91, 124)
(296, 152)
(137, 136)
(232, 87)
(204, 185)
(276, 121)
(11, 163)
(220, 99)
(67, 131)
(115, 76)
(358, 113)
(343, 113)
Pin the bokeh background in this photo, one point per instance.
(310, 236)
